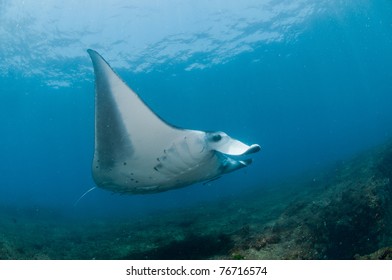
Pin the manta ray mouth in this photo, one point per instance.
(238, 149)
(243, 158)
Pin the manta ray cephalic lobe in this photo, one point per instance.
(136, 152)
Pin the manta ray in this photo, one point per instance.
(137, 152)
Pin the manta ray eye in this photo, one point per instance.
(216, 137)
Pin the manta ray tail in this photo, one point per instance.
(80, 198)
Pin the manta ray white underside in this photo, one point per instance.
(136, 152)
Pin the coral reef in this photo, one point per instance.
(350, 215)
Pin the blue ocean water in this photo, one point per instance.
(310, 81)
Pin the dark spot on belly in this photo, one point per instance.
(158, 166)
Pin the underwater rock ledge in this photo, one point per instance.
(350, 217)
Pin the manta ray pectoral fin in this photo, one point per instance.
(128, 134)
(123, 122)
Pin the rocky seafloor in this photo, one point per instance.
(343, 212)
